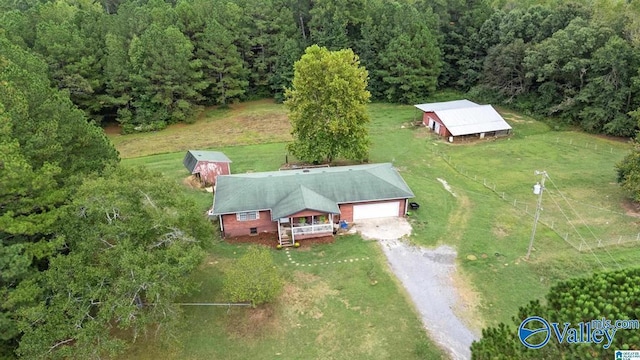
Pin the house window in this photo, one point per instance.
(247, 216)
(253, 231)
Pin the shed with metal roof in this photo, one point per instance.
(463, 118)
(207, 165)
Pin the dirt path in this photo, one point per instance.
(428, 275)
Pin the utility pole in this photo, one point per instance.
(538, 189)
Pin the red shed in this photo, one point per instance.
(207, 165)
(463, 118)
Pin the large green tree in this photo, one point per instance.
(46, 147)
(611, 295)
(70, 38)
(401, 52)
(165, 79)
(130, 240)
(327, 106)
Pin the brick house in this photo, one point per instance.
(300, 204)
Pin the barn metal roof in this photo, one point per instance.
(464, 117)
(290, 191)
(472, 120)
(192, 158)
(447, 105)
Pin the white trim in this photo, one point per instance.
(312, 229)
(249, 215)
(374, 200)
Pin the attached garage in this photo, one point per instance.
(378, 210)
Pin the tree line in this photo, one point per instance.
(92, 255)
(148, 63)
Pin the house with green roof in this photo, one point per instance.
(207, 165)
(305, 203)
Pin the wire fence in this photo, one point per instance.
(566, 227)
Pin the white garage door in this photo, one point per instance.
(370, 211)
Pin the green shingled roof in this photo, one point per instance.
(301, 199)
(322, 189)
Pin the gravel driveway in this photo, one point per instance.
(426, 275)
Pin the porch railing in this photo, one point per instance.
(311, 229)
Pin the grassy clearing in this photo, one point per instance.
(347, 310)
(255, 122)
(470, 216)
(479, 222)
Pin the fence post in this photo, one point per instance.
(484, 182)
(503, 195)
(552, 223)
(515, 201)
(494, 187)
(620, 239)
(580, 248)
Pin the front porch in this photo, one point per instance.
(295, 228)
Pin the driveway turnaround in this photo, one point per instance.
(426, 275)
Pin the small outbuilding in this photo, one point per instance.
(207, 165)
(463, 118)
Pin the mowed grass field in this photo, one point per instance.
(485, 211)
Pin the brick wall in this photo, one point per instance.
(404, 204)
(233, 227)
(346, 212)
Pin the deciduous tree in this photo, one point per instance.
(327, 106)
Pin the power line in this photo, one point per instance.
(579, 235)
(584, 222)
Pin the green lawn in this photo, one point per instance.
(490, 217)
(353, 308)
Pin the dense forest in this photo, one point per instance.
(149, 63)
(82, 240)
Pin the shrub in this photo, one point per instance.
(253, 278)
